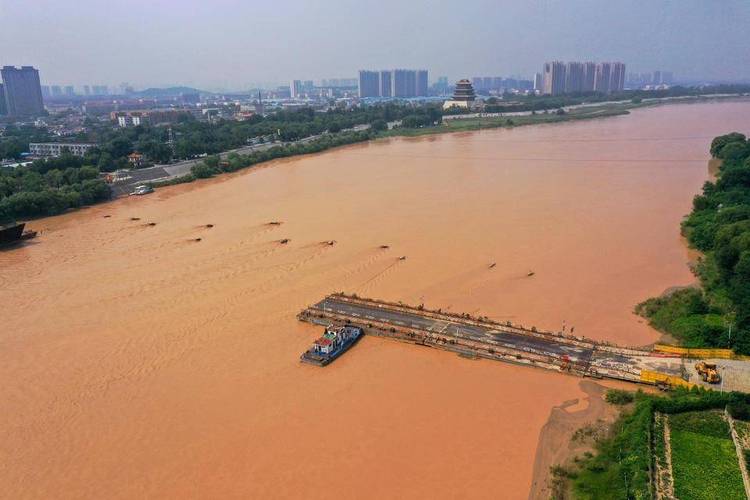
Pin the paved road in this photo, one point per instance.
(174, 170)
(606, 362)
(137, 177)
(362, 313)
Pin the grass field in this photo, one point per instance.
(469, 124)
(704, 460)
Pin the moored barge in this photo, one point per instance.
(14, 233)
(333, 343)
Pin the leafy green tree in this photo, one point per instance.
(379, 125)
(719, 142)
(734, 151)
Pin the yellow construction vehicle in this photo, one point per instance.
(708, 372)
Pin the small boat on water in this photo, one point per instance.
(333, 343)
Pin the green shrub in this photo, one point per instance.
(619, 397)
(739, 410)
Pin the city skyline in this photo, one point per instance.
(560, 77)
(694, 39)
(393, 83)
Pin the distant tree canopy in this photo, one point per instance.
(48, 187)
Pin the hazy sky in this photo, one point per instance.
(233, 43)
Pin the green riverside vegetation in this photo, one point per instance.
(718, 313)
(623, 464)
(48, 187)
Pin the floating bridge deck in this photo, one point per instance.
(481, 337)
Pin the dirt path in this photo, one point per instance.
(664, 478)
(555, 443)
(740, 454)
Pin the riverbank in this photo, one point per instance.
(719, 228)
(570, 434)
(587, 112)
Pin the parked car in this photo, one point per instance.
(141, 190)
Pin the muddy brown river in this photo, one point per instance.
(138, 362)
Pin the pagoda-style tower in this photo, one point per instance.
(464, 92)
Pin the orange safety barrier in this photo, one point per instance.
(652, 377)
(690, 352)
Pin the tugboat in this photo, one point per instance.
(14, 233)
(333, 343)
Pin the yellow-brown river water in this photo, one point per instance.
(136, 362)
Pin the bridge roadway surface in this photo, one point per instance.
(360, 313)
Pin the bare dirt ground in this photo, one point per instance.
(556, 447)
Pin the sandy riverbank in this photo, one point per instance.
(555, 446)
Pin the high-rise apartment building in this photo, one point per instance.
(3, 107)
(386, 83)
(554, 78)
(56, 91)
(538, 82)
(442, 85)
(404, 83)
(23, 92)
(602, 77)
(69, 91)
(574, 76)
(394, 83)
(589, 76)
(369, 84)
(423, 83)
(295, 89)
(617, 77)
